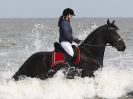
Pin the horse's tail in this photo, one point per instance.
(19, 74)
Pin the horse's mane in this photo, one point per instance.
(114, 26)
(94, 32)
(103, 27)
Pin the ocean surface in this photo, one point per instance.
(20, 38)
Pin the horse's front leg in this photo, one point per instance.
(88, 69)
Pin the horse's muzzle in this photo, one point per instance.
(121, 45)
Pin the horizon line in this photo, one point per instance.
(58, 17)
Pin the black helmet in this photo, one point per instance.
(68, 11)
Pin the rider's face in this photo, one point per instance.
(69, 17)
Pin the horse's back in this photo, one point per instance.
(35, 66)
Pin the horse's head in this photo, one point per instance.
(114, 38)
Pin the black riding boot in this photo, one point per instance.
(69, 68)
(70, 71)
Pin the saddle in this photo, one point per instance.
(59, 55)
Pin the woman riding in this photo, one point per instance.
(66, 34)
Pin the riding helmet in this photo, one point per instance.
(68, 11)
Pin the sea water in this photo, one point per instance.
(20, 38)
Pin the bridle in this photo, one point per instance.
(115, 43)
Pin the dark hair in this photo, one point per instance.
(66, 12)
(60, 20)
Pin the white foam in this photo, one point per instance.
(113, 82)
(110, 82)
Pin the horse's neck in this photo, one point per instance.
(97, 37)
(94, 45)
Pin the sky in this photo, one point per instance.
(54, 8)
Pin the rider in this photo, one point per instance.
(66, 34)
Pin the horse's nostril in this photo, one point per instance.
(124, 48)
(121, 48)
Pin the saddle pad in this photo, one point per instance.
(77, 60)
(57, 58)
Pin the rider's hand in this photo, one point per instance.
(77, 40)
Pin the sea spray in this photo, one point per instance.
(83, 33)
(37, 32)
(121, 60)
(109, 82)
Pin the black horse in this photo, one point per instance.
(91, 50)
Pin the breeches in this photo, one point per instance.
(67, 47)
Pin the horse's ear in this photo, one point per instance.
(113, 22)
(108, 22)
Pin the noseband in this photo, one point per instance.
(115, 43)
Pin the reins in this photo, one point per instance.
(89, 45)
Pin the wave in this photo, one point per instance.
(109, 82)
(7, 43)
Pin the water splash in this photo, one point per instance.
(110, 82)
(84, 32)
(121, 60)
(37, 39)
(37, 33)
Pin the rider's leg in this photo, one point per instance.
(69, 53)
(67, 47)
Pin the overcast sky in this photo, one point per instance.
(54, 8)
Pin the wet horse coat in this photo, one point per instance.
(91, 51)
